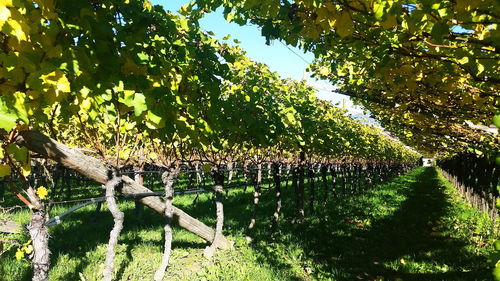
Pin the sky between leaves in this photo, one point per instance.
(287, 61)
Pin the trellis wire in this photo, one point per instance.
(57, 219)
(89, 201)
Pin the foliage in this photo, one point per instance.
(428, 70)
(123, 77)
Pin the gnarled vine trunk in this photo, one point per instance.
(324, 171)
(333, 173)
(300, 189)
(168, 179)
(277, 186)
(256, 196)
(40, 242)
(218, 177)
(139, 178)
(295, 186)
(312, 189)
(118, 216)
(246, 176)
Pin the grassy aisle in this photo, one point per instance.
(414, 227)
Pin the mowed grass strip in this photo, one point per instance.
(414, 227)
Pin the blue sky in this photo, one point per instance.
(287, 61)
(276, 56)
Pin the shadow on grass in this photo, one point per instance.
(83, 233)
(344, 248)
(351, 238)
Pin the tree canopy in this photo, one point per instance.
(428, 70)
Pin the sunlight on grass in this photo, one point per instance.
(414, 226)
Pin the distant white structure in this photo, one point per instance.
(427, 162)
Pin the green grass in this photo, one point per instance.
(414, 227)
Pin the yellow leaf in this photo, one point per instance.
(63, 85)
(390, 22)
(125, 153)
(42, 192)
(344, 25)
(178, 99)
(26, 169)
(85, 92)
(58, 80)
(86, 104)
(331, 22)
(480, 67)
(17, 29)
(4, 170)
(6, 3)
(325, 71)
(28, 249)
(19, 254)
(4, 15)
(147, 5)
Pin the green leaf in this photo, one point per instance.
(19, 153)
(480, 67)
(154, 118)
(20, 106)
(497, 245)
(184, 23)
(8, 117)
(139, 104)
(496, 120)
(496, 273)
(439, 30)
(378, 8)
(463, 60)
(143, 57)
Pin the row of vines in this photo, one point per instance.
(428, 71)
(99, 87)
(129, 84)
